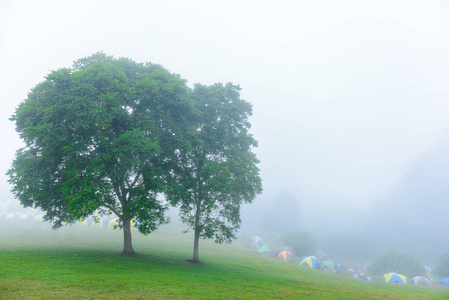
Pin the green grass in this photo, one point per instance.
(85, 263)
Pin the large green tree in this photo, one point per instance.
(100, 137)
(219, 172)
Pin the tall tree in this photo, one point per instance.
(100, 137)
(219, 172)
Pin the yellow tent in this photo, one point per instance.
(98, 225)
(396, 278)
(113, 222)
(12, 215)
(23, 217)
(82, 223)
(116, 221)
(38, 218)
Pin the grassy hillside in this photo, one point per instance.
(83, 262)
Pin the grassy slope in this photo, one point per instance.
(79, 262)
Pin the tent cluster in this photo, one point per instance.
(102, 222)
(20, 216)
(418, 280)
(321, 261)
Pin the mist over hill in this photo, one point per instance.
(420, 200)
(413, 216)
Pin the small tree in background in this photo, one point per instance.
(442, 266)
(301, 243)
(396, 262)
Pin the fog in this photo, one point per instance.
(350, 98)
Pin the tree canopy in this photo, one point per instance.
(219, 171)
(109, 136)
(101, 137)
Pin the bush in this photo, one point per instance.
(442, 266)
(301, 242)
(396, 262)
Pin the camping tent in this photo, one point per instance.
(287, 256)
(26, 217)
(428, 271)
(274, 253)
(255, 242)
(98, 224)
(328, 266)
(12, 215)
(395, 278)
(38, 218)
(351, 270)
(105, 222)
(310, 261)
(113, 222)
(421, 280)
(264, 248)
(321, 254)
(82, 222)
(117, 221)
(362, 276)
(135, 224)
(341, 267)
(445, 282)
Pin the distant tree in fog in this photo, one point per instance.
(442, 266)
(301, 243)
(392, 261)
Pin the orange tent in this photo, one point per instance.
(286, 255)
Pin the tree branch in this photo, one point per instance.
(115, 211)
(135, 181)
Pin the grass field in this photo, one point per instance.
(85, 263)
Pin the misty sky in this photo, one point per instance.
(346, 94)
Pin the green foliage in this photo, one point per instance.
(442, 266)
(396, 262)
(302, 243)
(100, 136)
(219, 171)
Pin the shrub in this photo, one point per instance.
(442, 266)
(301, 242)
(396, 262)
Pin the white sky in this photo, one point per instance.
(346, 94)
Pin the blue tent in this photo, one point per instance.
(310, 261)
(395, 278)
(362, 276)
(445, 282)
(321, 254)
(26, 217)
(89, 220)
(105, 222)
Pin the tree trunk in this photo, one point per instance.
(196, 243)
(196, 239)
(127, 241)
